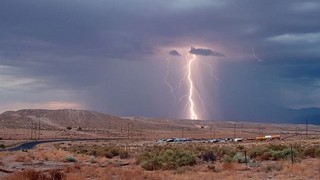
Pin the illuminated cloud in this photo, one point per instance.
(205, 52)
(297, 38)
(174, 53)
(306, 6)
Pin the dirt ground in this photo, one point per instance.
(51, 156)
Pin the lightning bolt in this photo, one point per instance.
(211, 71)
(193, 114)
(192, 95)
(167, 82)
(254, 55)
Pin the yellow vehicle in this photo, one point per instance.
(260, 138)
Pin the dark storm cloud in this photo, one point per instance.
(174, 53)
(82, 45)
(205, 52)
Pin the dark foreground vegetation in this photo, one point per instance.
(174, 156)
(267, 157)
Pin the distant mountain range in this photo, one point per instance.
(276, 115)
(312, 115)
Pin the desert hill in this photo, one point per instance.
(55, 119)
(54, 123)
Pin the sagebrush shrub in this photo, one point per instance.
(169, 159)
(313, 151)
(208, 156)
(70, 158)
(240, 158)
(124, 154)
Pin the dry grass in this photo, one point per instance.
(50, 154)
(31, 174)
(228, 166)
(309, 168)
(23, 158)
(226, 171)
(75, 176)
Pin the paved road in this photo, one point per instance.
(32, 144)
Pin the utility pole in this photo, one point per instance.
(181, 132)
(140, 131)
(234, 130)
(31, 128)
(128, 131)
(39, 129)
(35, 131)
(306, 128)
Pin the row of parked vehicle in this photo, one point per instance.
(182, 140)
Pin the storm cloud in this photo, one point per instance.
(174, 53)
(109, 55)
(205, 52)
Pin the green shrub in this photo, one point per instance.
(271, 167)
(70, 158)
(266, 156)
(312, 151)
(226, 158)
(284, 154)
(257, 152)
(268, 168)
(114, 151)
(208, 156)
(2, 146)
(123, 154)
(271, 152)
(177, 158)
(108, 154)
(92, 160)
(277, 147)
(212, 167)
(240, 158)
(224, 150)
(150, 162)
(98, 151)
(169, 159)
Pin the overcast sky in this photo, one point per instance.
(111, 56)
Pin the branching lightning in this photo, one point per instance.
(167, 82)
(192, 94)
(211, 71)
